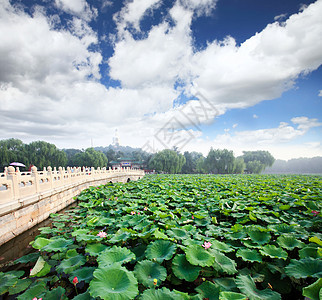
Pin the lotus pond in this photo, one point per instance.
(180, 237)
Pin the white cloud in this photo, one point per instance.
(235, 125)
(132, 13)
(320, 93)
(79, 8)
(255, 116)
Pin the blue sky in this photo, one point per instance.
(195, 74)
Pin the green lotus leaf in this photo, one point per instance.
(95, 249)
(160, 250)
(274, 252)
(303, 268)
(139, 251)
(113, 283)
(57, 245)
(40, 242)
(120, 236)
(208, 290)
(313, 291)
(160, 294)
(84, 296)
(7, 280)
(147, 271)
(224, 263)
(31, 257)
(249, 255)
(68, 265)
(309, 252)
(280, 229)
(235, 235)
(259, 237)
(178, 234)
(115, 255)
(183, 269)
(160, 235)
(289, 242)
(57, 293)
(247, 286)
(37, 290)
(82, 274)
(252, 245)
(202, 222)
(198, 256)
(316, 240)
(20, 286)
(221, 246)
(226, 284)
(231, 296)
(41, 268)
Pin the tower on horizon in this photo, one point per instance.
(116, 139)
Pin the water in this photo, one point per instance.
(19, 246)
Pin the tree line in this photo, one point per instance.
(218, 161)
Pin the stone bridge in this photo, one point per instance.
(27, 198)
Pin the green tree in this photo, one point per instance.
(43, 154)
(168, 161)
(70, 153)
(192, 158)
(12, 150)
(200, 165)
(257, 161)
(220, 161)
(239, 166)
(91, 158)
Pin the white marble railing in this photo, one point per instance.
(15, 185)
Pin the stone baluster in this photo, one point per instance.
(50, 176)
(35, 175)
(12, 175)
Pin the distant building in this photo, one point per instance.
(125, 162)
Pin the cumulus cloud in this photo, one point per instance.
(79, 8)
(53, 75)
(320, 93)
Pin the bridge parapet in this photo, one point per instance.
(27, 198)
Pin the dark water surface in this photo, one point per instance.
(19, 246)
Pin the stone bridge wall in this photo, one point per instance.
(27, 198)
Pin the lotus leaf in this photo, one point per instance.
(208, 290)
(160, 250)
(84, 296)
(183, 269)
(41, 268)
(57, 245)
(37, 290)
(113, 283)
(6, 282)
(249, 255)
(95, 249)
(226, 284)
(82, 274)
(309, 252)
(224, 263)
(20, 286)
(289, 242)
(303, 268)
(198, 256)
(40, 242)
(231, 296)
(313, 291)
(115, 255)
(259, 237)
(274, 252)
(147, 271)
(160, 294)
(57, 293)
(247, 286)
(178, 233)
(31, 257)
(221, 246)
(68, 265)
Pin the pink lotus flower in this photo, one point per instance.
(75, 280)
(315, 213)
(192, 217)
(132, 212)
(206, 245)
(145, 208)
(101, 234)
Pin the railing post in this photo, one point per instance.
(35, 174)
(50, 175)
(14, 179)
